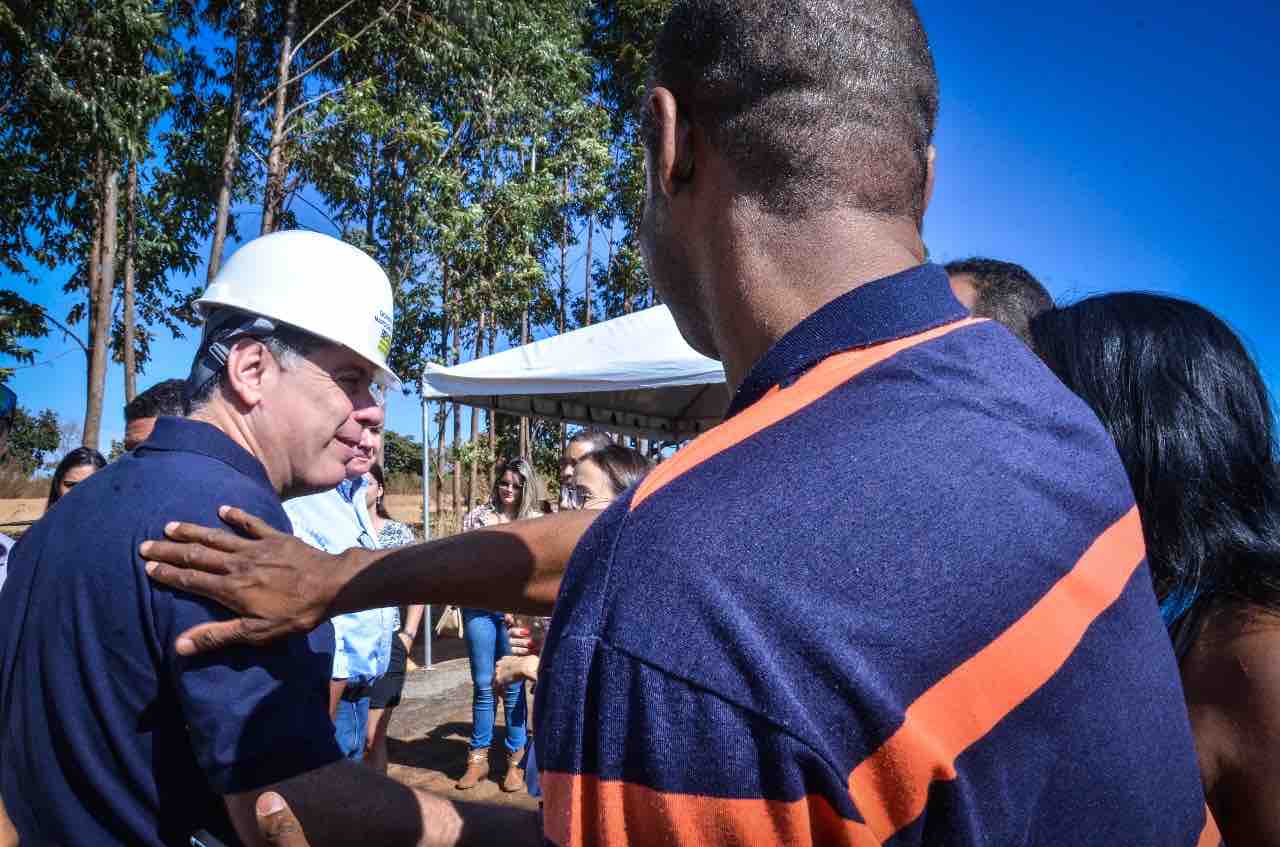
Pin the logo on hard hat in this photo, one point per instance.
(384, 340)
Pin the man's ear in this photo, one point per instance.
(249, 367)
(671, 153)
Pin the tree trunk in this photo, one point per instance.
(273, 198)
(586, 275)
(564, 286)
(473, 481)
(564, 257)
(231, 150)
(493, 416)
(130, 315)
(100, 320)
(608, 264)
(93, 273)
(443, 414)
(524, 419)
(455, 479)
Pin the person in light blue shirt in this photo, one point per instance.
(335, 521)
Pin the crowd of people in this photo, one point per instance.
(960, 565)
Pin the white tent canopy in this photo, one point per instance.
(633, 375)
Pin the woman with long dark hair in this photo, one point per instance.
(517, 495)
(1192, 419)
(75, 468)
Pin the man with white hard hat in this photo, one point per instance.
(107, 735)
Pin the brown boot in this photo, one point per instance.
(477, 769)
(514, 780)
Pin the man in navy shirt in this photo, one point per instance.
(107, 736)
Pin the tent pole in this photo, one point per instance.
(426, 512)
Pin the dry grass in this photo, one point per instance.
(17, 485)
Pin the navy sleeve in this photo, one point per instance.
(255, 715)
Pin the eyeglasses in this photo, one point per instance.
(580, 498)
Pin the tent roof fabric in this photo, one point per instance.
(634, 375)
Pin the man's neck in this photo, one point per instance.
(236, 427)
(764, 288)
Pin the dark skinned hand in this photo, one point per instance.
(277, 824)
(280, 584)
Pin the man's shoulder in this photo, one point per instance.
(188, 486)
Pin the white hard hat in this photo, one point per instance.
(316, 283)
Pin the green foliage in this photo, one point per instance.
(32, 437)
(465, 146)
(401, 454)
(19, 319)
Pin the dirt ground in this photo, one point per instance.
(427, 746)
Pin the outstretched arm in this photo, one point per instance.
(282, 585)
(345, 803)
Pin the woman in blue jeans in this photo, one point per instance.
(517, 494)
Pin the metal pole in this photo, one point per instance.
(426, 512)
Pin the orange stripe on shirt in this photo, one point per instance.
(891, 787)
(585, 811)
(1210, 836)
(778, 404)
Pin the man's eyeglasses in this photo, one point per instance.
(580, 498)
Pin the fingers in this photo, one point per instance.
(520, 642)
(277, 823)
(248, 524)
(218, 539)
(187, 556)
(192, 580)
(219, 635)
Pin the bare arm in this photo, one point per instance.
(8, 835)
(1232, 683)
(282, 585)
(345, 803)
(412, 620)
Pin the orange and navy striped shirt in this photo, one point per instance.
(898, 597)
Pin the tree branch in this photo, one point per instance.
(327, 94)
(294, 52)
(325, 214)
(44, 313)
(335, 51)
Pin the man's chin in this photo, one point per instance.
(358, 467)
(315, 483)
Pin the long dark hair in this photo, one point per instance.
(79, 457)
(375, 470)
(622, 466)
(1192, 419)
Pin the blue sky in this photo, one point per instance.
(1104, 150)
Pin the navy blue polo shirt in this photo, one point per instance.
(898, 597)
(106, 735)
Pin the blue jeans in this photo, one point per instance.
(350, 725)
(486, 643)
